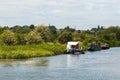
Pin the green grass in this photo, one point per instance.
(28, 51)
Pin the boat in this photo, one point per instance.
(105, 46)
(97, 47)
(94, 47)
(74, 48)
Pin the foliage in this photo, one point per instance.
(34, 38)
(8, 38)
(69, 29)
(44, 32)
(84, 44)
(21, 29)
(28, 51)
(79, 36)
(52, 29)
(65, 36)
(53, 32)
(22, 35)
(21, 39)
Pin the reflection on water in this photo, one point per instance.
(41, 62)
(73, 61)
(68, 61)
(36, 62)
(6, 62)
(31, 62)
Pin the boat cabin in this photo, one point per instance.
(73, 47)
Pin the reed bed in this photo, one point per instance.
(29, 51)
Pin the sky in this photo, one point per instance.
(79, 14)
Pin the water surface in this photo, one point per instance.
(99, 65)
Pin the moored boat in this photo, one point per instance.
(74, 48)
(105, 46)
(94, 47)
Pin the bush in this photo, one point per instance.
(8, 38)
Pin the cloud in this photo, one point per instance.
(60, 12)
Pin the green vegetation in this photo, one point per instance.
(35, 41)
(28, 51)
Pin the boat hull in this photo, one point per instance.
(105, 46)
(74, 51)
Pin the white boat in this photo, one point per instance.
(74, 48)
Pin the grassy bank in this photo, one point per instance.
(28, 51)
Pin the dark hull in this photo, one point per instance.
(94, 49)
(105, 47)
(75, 52)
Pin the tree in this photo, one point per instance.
(8, 38)
(110, 33)
(65, 36)
(34, 38)
(69, 29)
(118, 34)
(21, 29)
(53, 32)
(26, 29)
(53, 29)
(16, 29)
(21, 39)
(79, 36)
(32, 26)
(44, 32)
(1, 29)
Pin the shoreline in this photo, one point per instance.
(30, 51)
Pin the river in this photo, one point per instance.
(99, 65)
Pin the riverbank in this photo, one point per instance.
(28, 51)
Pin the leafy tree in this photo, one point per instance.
(26, 29)
(44, 32)
(21, 38)
(34, 38)
(5, 28)
(79, 36)
(21, 29)
(117, 32)
(69, 29)
(94, 29)
(32, 26)
(1, 29)
(53, 29)
(110, 33)
(53, 32)
(8, 38)
(16, 29)
(65, 36)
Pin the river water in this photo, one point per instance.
(99, 65)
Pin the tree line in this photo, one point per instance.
(24, 35)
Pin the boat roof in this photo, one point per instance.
(72, 43)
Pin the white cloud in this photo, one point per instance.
(60, 12)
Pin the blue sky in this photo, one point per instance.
(80, 14)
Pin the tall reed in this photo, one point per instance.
(28, 51)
